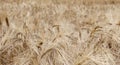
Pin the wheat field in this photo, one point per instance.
(59, 32)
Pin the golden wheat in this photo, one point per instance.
(59, 32)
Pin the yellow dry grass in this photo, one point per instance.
(59, 32)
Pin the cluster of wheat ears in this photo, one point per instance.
(59, 32)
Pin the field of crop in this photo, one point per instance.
(59, 32)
